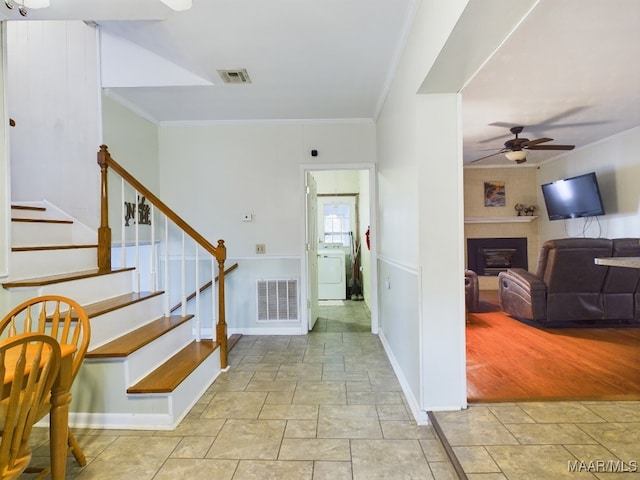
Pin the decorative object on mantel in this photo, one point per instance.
(512, 219)
(23, 5)
(525, 210)
(494, 194)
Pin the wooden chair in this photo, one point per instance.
(29, 364)
(61, 318)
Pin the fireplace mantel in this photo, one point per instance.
(514, 219)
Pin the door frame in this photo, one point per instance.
(373, 215)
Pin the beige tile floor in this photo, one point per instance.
(546, 440)
(316, 407)
(328, 406)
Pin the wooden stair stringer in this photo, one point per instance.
(232, 340)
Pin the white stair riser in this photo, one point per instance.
(116, 323)
(92, 289)
(34, 214)
(112, 408)
(37, 234)
(42, 263)
(193, 387)
(100, 386)
(142, 362)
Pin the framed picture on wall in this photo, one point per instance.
(494, 194)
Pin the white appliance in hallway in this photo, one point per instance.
(332, 273)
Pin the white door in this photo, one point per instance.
(312, 250)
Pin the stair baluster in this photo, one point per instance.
(217, 253)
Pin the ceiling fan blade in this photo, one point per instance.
(487, 156)
(494, 149)
(537, 141)
(551, 147)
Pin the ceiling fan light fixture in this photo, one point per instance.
(178, 5)
(516, 155)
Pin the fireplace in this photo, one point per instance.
(490, 256)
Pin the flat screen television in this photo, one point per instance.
(573, 197)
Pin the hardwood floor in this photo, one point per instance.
(510, 361)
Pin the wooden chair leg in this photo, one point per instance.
(76, 450)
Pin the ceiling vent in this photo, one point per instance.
(235, 76)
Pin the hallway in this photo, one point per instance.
(322, 406)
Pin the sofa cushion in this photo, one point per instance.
(571, 307)
(567, 265)
(621, 279)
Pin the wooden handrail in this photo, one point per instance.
(219, 252)
(105, 160)
(207, 285)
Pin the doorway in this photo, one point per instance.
(338, 267)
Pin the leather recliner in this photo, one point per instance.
(471, 291)
(569, 288)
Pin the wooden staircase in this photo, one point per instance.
(142, 370)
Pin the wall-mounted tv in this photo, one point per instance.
(573, 197)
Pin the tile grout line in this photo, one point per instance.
(447, 447)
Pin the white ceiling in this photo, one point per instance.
(571, 71)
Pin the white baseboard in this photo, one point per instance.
(266, 331)
(419, 415)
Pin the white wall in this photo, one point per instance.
(400, 151)
(331, 182)
(54, 96)
(133, 144)
(420, 232)
(5, 184)
(617, 166)
(213, 175)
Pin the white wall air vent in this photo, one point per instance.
(277, 300)
(234, 76)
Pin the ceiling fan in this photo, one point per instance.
(516, 148)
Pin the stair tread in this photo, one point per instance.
(135, 340)
(41, 220)
(28, 207)
(64, 277)
(167, 377)
(114, 303)
(52, 247)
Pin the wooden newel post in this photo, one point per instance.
(104, 232)
(221, 328)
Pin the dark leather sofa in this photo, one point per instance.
(569, 289)
(471, 291)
